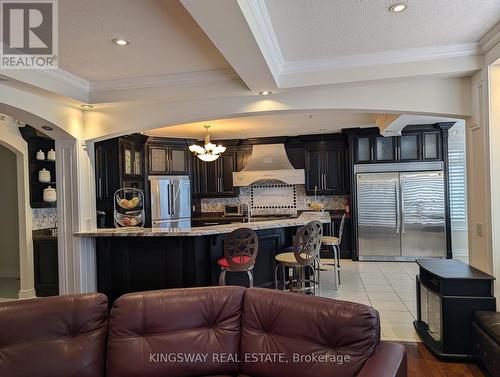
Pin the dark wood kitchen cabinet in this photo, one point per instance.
(215, 179)
(416, 143)
(168, 156)
(119, 163)
(45, 267)
(326, 169)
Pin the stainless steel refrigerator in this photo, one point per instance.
(170, 201)
(400, 211)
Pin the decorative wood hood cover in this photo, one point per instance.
(269, 162)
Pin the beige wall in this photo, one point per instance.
(9, 226)
(494, 118)
(478, 180)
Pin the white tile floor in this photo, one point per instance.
(389, 287)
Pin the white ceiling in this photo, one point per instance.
(185, 50)
(322, 29)
(277, 124)
(164, 39)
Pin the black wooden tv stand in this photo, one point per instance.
(448, 292)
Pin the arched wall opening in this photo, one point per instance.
(11, 139)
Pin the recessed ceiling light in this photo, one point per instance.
(47, 128)
(120, 42)
(399, 7)
(265, 92)
(86, 106)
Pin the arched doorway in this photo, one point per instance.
(11, 140)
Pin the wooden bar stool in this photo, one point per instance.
(240, 251)
(305, 256)
(334, 243)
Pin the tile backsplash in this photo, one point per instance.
(271, 198)
(44, 218)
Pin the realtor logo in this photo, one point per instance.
(28, 34)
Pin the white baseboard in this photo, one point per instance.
(29, 293)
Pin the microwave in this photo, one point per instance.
(232, 210)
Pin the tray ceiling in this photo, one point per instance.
(164, 40)
(322, 29)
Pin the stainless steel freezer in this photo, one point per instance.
(400, 214)
(170, 201)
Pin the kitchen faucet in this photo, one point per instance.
(249, 213)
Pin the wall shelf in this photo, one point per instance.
(38, 141)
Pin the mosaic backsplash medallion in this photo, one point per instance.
(268, 193)
(44, 218)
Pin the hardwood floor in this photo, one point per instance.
(422, 363)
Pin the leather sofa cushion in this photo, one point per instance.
(54, 337)
(174, 322)
(486, 350)
(489, 322)
(283, 323)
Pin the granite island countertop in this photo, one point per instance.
(304, 218)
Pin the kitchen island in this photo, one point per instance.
(138, 259)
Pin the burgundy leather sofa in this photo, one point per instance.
(216, 331)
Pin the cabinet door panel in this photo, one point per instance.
(198, 177)
(212, 177)
(227, 167)
(410, 147)
(158, 160)
(46, 267)
(313, 170)
(385, 148)
(364, 149)
(431, 146)
(127, 160)
(138, 162)
(178, 160)
(333, 169)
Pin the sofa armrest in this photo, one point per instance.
(388, 360)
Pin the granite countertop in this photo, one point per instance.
(44, 234)
(304, 218)
(219, 216)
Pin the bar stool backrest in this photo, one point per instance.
(307, 243)
(341, 228)
(240, 249)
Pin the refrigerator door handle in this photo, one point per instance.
(172, 208)
(402, 206)
(397, 191)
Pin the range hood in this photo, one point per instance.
(269, 162)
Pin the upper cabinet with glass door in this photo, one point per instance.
(132, 158)
(412, 146)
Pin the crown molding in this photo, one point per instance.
(490, 39)
(257, 16)
(66, 78)
(189, 78)
(382, 58)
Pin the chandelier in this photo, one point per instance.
(209, 152)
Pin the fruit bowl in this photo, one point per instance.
(128, 198)
(128, 208)
(129, 219)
